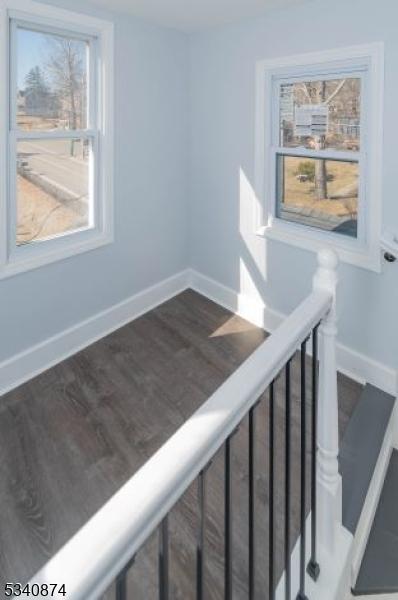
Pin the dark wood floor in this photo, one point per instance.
(71, 437)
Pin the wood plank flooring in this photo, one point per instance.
(71, 437)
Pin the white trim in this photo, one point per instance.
(55, 134)
(4, 129)
(309, 238)
(240, 304)
(31, 362)
(327, 154)
(364, 369)
(82, 23)
(332, 581)
(14, 259)
(365, 251)
(352, 363)
(68, 247)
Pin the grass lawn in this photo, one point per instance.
(343, 182)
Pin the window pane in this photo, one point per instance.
(321, 114)
(52, 81)
(318, 193)
(52, 188)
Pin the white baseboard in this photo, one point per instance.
(365, 369)
(243, 305)
(29, 363)
(350, 362)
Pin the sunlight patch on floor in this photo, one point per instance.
(233, 325)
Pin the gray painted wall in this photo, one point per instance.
(223, 245)
(151, 109)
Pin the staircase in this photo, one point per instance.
(369, 468)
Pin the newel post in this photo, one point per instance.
(328, 477)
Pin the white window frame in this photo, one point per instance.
(16, 259)
(366, 62)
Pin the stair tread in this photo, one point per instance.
(359, 452)
(379, 568)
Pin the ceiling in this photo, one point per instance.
(191, 15)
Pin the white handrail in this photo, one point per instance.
(93, 558)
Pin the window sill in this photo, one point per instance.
(35, 260)
(314, 241)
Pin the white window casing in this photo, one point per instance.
(367, 63)
(99, 132)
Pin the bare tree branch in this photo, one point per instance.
(304, 88)
(336, 91)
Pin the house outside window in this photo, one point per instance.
(318, 151)
(57, 195)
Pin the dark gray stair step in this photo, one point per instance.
(379, 568)
(360, 450)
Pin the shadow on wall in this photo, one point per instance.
(253, 273)
(274, 275)
(265, 268)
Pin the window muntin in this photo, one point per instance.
(317, 124)
(54, 155)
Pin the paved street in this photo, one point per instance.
(52, 159)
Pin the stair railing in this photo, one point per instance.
(103, 551)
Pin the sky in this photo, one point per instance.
(32, 47)
(31, 52)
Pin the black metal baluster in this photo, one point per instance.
(164, 559)
(313, 566)
(301, 595)
(200, 553)
(287, 484)
(271, 566)
(121, 582)
(252, 558)
(121, 586)
(228, 523)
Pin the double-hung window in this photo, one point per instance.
(57, 196)
(318, 151)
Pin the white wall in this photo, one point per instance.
(151, 100)
(185, 140)
(223, 245)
